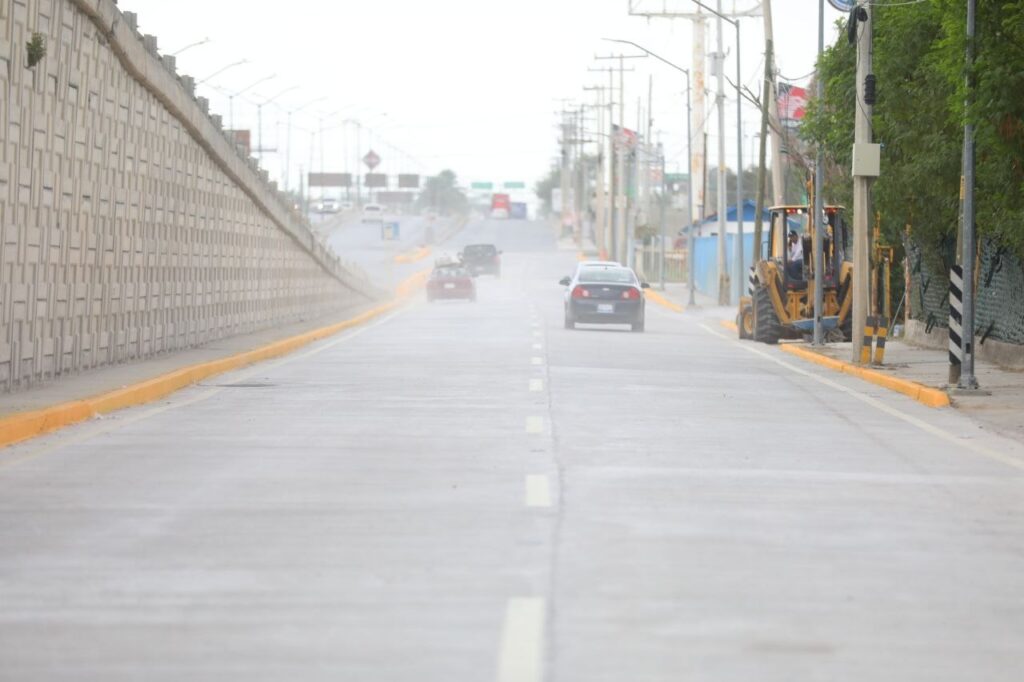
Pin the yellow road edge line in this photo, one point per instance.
(23, 426)
(926, 395)
(729, 324)
(662, 301)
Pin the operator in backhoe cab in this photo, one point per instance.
(795, 262)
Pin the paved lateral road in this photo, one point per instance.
(470, 492)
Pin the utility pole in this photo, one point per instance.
(819, 200)
(762, 150)
(865, 169)
(564, 175)
(967, 378)
(778, 170)
(621, 179)
(722, 189)
(600, 235)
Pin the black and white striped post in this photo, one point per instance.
(751, 280)
(956, 321)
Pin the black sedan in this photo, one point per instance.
(604, 294)
(482, 259)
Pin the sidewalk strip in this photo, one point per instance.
(26, 425)
(926, 395)
(662, 301)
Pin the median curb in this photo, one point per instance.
(926, 395)
(662, 301)
(24, 426)
(413, 256)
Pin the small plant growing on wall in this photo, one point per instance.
(36, 49)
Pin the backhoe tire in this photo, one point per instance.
(745, 322)
(766, 323)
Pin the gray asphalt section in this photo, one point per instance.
(719, 511)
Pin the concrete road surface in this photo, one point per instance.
(471, 493)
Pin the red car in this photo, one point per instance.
(451, 281)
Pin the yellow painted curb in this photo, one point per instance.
(926, 395)
(25, 425)
(413, 256)
(652, 295)
(729, 324)
(412, 283)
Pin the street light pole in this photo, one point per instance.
(232, 96)
(738, 249)
(288, 141)
(220, 71)
(689, 159)
(190, 46)
(259, 117)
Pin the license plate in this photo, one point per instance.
(606, 307)
(449, 285)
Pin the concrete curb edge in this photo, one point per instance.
(24, 426)
(926, 395)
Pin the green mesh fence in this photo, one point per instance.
(999, 300)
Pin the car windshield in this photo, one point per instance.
(478, 250)
(606, 275)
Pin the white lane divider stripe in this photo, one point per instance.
(535, 424)
(538, 346)
(521, 656)
(538, 491)
(536, 361)
(536, 385)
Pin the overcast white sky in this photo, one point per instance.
(471, 85)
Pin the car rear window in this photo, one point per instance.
(606, 275)
(480, 250)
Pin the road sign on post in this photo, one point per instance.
(372, 159)
(482, 185)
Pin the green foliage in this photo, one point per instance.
(919, 62)
(442, 193)
(36, 49)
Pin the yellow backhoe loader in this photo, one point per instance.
(780, 303)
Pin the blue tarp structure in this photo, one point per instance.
(706, 250)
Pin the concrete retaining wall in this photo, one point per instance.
(1009, 355)
(131, 225)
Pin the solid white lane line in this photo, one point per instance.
(521, 653)
(538, 491)
(536, 360)
(536, 385)
(535, 424)
(976, 448)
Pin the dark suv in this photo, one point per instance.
(481, 259)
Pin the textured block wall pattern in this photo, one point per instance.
(130, 224)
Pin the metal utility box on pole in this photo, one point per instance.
(865, 170)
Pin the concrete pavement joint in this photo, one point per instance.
(977, 449)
